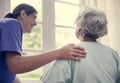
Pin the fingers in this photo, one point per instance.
(75, 58)
(78, 47)
(78, 55)
(72, 52)
(79, 52)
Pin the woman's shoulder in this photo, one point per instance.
(97, 46)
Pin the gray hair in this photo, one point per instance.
(92, 23)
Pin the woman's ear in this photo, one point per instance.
(23, 14)
(77, 33)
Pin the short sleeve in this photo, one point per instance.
(58, 73)
(11, 37)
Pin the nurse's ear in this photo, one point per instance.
(23, 14)
(77, 33)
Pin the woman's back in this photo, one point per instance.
(100, 66)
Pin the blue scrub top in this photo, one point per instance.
(10, 40)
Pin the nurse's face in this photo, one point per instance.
(28, 22)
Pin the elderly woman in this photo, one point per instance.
(102, 63)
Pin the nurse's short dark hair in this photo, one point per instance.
(16, 12)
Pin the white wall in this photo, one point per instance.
(111, 8)
(4, 7)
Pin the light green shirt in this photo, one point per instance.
(101, 65)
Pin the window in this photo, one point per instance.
(65, 14)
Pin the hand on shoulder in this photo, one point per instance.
(72, 52)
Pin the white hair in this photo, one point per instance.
(92, 22)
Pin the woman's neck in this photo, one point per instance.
(88, 39)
